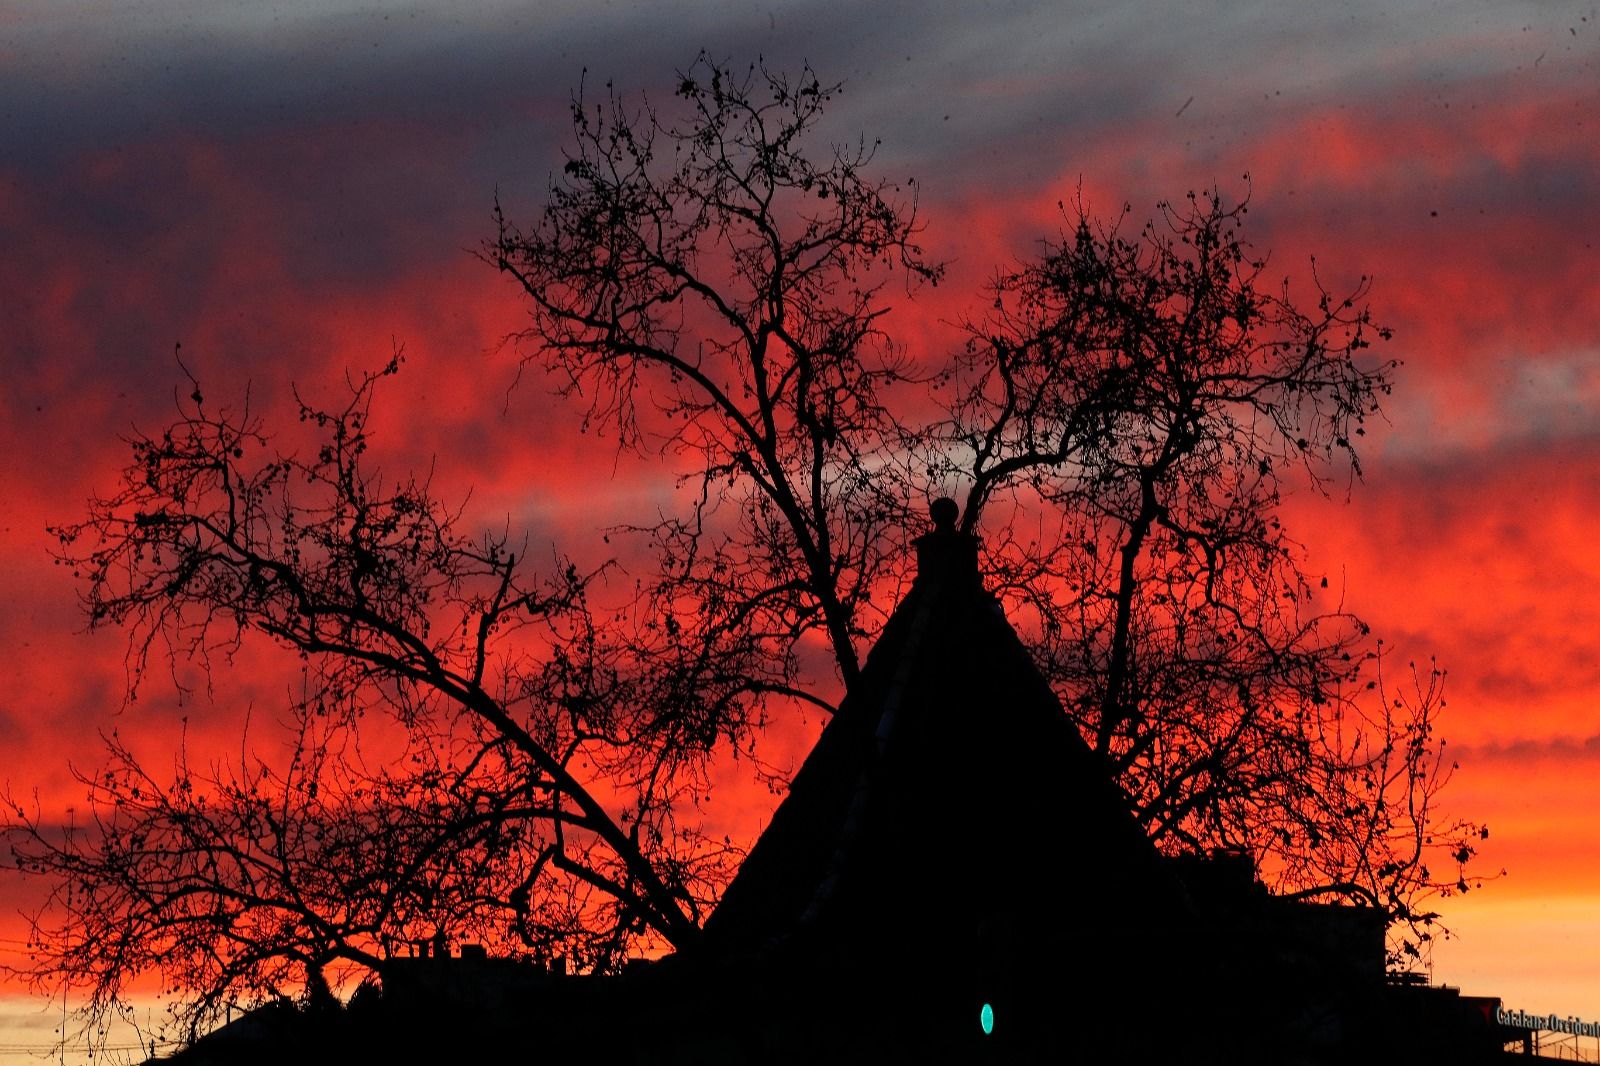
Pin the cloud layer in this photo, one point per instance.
(292, 189)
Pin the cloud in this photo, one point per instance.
(1523, 750)
(290, 189)
(289, 203)
(1485, 560)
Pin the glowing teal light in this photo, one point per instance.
(986, 1019)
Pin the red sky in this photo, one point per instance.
(290, 189)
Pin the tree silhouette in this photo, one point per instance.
(712, 285)
(1151, 395)
(531, 764)
(713, 266)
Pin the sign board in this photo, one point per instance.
(1555, 1023)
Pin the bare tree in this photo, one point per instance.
(716, 267)
(1137, 404)
(524, 770)
(483, 752)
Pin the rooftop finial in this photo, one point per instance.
(944, 549)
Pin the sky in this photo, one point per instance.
(292, 190)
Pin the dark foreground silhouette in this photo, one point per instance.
(951, 878)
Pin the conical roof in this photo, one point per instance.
(949, 794)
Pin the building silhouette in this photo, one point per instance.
(952, 877)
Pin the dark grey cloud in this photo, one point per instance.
(366, 140)
(102, 72)
(1524, 750)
